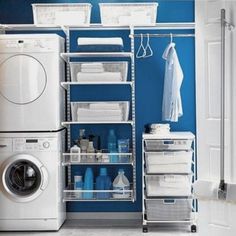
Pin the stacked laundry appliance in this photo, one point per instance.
(31, 136)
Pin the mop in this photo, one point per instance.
(210, 190)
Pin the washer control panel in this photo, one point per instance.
(34, 144)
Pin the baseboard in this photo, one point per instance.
(104, 216)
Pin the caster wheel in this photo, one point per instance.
(193, 228)
(145, 230)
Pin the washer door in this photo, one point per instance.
(22, 79)
(24, 178)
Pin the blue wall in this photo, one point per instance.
(149, 81)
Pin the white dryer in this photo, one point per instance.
(31, 69)
(31, 181)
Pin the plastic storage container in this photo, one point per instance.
(121, 185)
(168, 162)
(62, 14)
(112, 72)
(169, 209)
(88, 184)
(100, 111)
(103, 182)
(172, 144)
(168, 185)
(126, 14)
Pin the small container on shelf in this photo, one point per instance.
(128, 14)
(57, 14)
(90, 72)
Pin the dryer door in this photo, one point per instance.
(22, 79)
(23, 178)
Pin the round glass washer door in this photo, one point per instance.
(22, 79)
(24, 178)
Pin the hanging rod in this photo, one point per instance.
(161, 35)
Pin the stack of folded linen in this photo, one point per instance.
(159, 129)
(94, 72)
(100, 44)
(100, 111)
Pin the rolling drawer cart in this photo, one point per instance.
(169, 169)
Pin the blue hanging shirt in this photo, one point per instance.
(172, 104)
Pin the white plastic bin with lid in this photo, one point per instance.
(126, 14)
(112, 72)
(168, 185)
(56, 14)
(107, 111)
(168, 144)
(168, 209)
(168, 162)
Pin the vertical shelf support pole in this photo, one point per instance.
(67, 32)
(133, 110)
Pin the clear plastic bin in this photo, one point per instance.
(169, 209)
(89, 112)
(172, 144)
(126, 14)
(168, 185)
(111, 70)
(62, 14)
(168, 162)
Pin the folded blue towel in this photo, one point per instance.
(100, 48)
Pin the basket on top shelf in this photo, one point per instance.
(109, 111)
(99, 71)
(57, 14)
(128, 14)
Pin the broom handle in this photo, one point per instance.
(222, 126)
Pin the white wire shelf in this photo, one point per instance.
(71, 195)
(67, 84)
(99, 158)
(67, 56)
(157, 26)
(66, 123)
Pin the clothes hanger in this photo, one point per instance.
(141, 53)
(171, 38)
(148, 48)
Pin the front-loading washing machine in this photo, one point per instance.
(31, 181)
(31, 70)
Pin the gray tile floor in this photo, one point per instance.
(75, 228)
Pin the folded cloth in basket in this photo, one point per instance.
(105, 106)
(100, 44)
(99, 77)
(93, 67)
(100, 41)
(95, 113)
(174, 181)
(98, 118)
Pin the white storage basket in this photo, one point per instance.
(100, 115)
(62, 14)
(168, 185)
(173, 144)
(169, 209)
(168, 162)
(120, 69)
(126, 14)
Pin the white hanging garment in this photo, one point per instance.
(172, 105)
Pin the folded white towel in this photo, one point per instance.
(100, 41)
(100, 113)
(92, 67)
(99, 77)
(105, 106)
